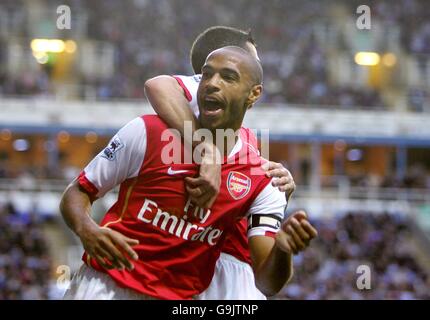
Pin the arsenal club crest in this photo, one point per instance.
(238, 185)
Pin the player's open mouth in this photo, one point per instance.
(212, 107)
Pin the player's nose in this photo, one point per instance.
(213, 84)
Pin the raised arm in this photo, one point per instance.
(272, 258)
(167, 99)
(170, 101)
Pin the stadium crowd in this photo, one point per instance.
(152, 37)
(411, 16)
(381, 241)
(294, 61)
(25, 263)
(415, 32)
(416, 177)
(327, 270)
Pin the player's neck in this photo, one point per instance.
(226, 143)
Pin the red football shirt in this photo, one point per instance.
(236, 243)
(179, 243)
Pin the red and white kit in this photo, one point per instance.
(179, 243)
(233, 278)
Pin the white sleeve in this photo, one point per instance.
(120, 160)
(190, 84)
(266, 212)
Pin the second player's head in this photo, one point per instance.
(217, 37)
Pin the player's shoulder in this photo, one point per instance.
(152, 122)
(137, 123)
(132, 132)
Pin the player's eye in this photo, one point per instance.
(205, 75)
(229, 77)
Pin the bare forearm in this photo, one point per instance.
(273, 268)
(168, 100)
(75, 208)
(100, 243)
(275, 272)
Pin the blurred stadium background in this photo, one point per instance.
(348, 112)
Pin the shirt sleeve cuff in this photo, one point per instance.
(184, 87)
(261, 231)
(88, 186)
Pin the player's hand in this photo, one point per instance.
(204, 189)
(109, 248)
(296, 233)
(282, 177)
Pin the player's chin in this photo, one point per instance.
(210, 123)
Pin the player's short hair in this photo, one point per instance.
(214, 38)
(254, 65)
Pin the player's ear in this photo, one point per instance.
(254, 94)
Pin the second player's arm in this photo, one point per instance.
(167, 98)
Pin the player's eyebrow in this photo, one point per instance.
(224, 71)
(207, 67)
(230, 72)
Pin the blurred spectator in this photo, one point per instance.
(153, 37)
(419, 99)
(381, 241)
(25, 265)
